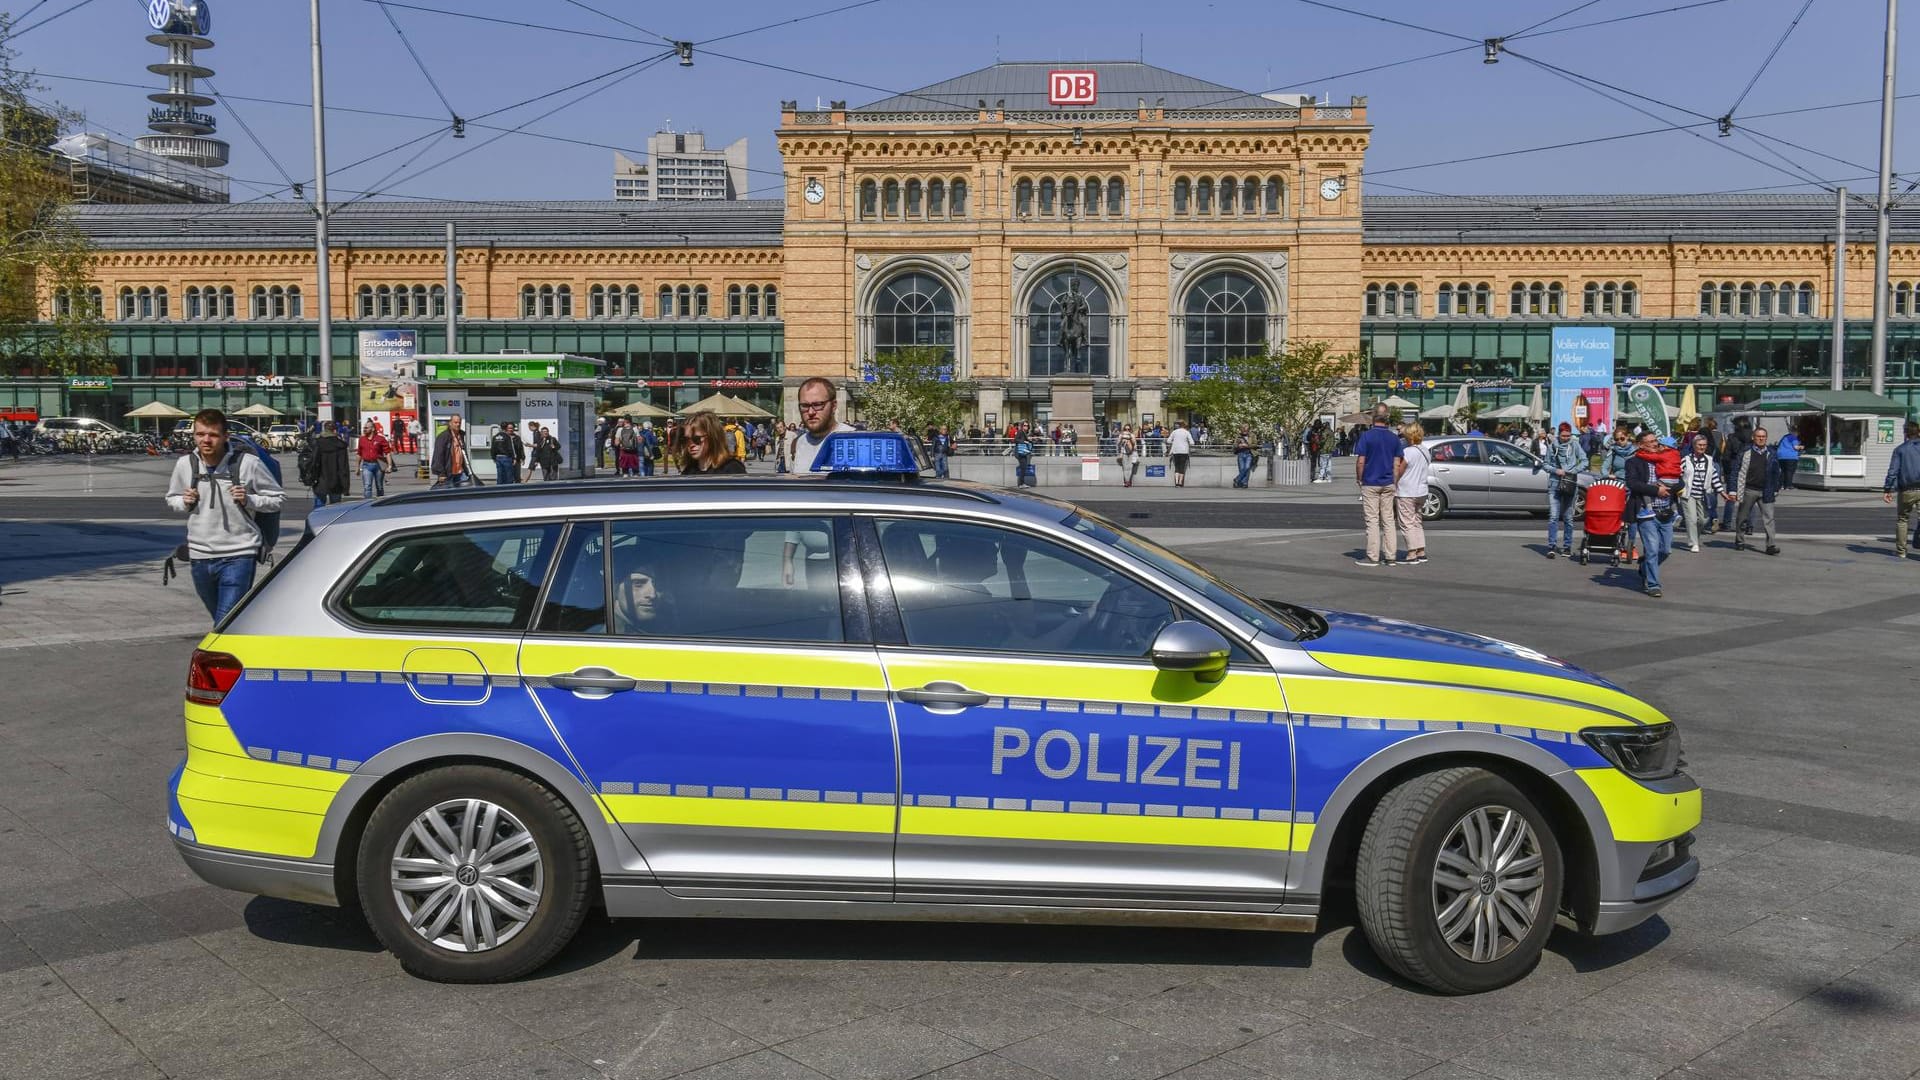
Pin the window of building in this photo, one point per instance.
(1275, 195)
(1746, 298)
(1046, 197)
(957, 192)
(1182, 194)
(1203, 197)
(1443, 300)
(1070, 195)
(869, 199)
(1116, 197)
(1707, 293)
(1250, 196)
(69, 303)
(470, 579)
(700, 301)
(190, 303)
(1045, 357)
(916, 195)
(1903, 298)
(684, 295)
(529, 302)
(937, 198)
(1726, 297)
(1482, 299)
(143, 302)
(1226, 316)
(913, 309)
(770, 302)
(1229, 192)
(736, 302)
(1090, 192)
(296, 304)
(1804, 307)
(1023, 198)
(890, 198)
(974, 587)
(663, 304)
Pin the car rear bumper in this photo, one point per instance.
(263, 875)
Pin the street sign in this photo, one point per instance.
(90, 383)
(1796, 396)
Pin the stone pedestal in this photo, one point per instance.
(1073, 406)
(992, 409)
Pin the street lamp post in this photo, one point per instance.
(323, 293)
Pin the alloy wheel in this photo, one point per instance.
(1487, 883)
(467, 875)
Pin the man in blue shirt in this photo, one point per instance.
(1374, 455)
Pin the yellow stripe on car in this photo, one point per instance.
(1467, 677)
(1637, 813)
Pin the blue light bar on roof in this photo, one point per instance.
(870, 453)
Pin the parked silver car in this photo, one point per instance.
(1476, 473)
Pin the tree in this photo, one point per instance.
(1288, 389)
(42, 252)
(907, 388)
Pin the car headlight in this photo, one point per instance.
(1644, 753)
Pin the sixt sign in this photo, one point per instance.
(1073, 87)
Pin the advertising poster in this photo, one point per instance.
(386, 374)
(1583, 376)
(1647, 408)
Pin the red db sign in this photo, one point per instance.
(1073, 87)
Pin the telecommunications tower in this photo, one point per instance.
(181, 131)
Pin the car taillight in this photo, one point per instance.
(210, 675)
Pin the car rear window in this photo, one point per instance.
(472, 579)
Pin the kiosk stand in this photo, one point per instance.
(486, 390)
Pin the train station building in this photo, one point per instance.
(1189, 221)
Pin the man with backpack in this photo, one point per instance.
(222, 491)
(626, 449)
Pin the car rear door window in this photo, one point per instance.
(461, 579)
(964, 586)
(740, 578)
(1455, 453)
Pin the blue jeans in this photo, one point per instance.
(646, 464)
(1559, 515)
(1324, 471)
(320, 500)
(1656, 543)
(373, 480)
(222, 582)
(940, 466)
(503, 472)
(1245, 459)
(1024, 473)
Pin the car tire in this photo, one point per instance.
(482, 918)
(1434, 506)
(1431, 834)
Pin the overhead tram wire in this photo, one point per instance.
(512, 22)
(785, 22)
(636, 69)
(378, 185)
(1385, 19)
(1764, 64)
(621, 21)
(251, 137)
(419, 63)
(28, 14)
(25, 30)
(1576, 9)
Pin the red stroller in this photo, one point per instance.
(1604, 522)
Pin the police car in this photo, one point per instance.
(477, 714)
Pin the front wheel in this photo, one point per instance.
(1459, 881)
(1434, 506)
(472, 874)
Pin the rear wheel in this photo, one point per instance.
(472, 874)
(1434, 505)
(1458, 881)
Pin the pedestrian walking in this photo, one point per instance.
(1410, 490)
(324, 469)
(1789, 455)
(1704, 489)
(1903, 487)
(450, 464)
(504, 446)
(1757, 480)
(8, 441)
(376, 457)
(602, 432)
(1243, 456)
(1180, 452)
(626, 449)
(221, 492)
(649, 448)
(546, 452)
(942, 449)
(1732, 451)
(1651, 507)
(1022, 451)
(1128, 447)
(1564, 462)
(1375, 453)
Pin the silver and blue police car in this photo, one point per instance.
(476, 715)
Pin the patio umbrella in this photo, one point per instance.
(1398, 402)
(641, 409)
(156, 411)
(1537, 407)
(717, 403)
(1439, 412)
(1507, 412)
(1689, 408)
(258, 409)
(748, 409)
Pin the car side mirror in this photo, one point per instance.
(1194, 648)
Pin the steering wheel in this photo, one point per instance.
(1115, 621)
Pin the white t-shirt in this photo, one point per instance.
(804, 448)
(1180, 442)
(1413, 479)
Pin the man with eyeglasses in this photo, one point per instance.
(818, 403)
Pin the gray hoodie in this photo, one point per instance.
(216, 528)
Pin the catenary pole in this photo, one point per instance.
(453, 296)
(1879, 356)
(323, 292)
(1840, 291)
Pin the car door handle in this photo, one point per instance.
(593, 678)
(944, 693)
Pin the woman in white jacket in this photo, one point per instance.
(1704, 489)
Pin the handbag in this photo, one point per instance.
(1566, 487)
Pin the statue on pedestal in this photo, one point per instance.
(1073, 324)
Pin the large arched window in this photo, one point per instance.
(1045, 312)
(1226, 316)
(913, 310)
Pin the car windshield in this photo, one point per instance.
(1245, 608)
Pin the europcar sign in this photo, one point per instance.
(1073, 87)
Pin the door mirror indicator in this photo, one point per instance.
(1194, 648)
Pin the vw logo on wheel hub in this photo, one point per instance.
(467, 874)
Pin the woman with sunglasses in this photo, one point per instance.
(707, 450)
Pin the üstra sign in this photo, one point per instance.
(1073, 87)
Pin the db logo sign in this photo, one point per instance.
(1073, 87)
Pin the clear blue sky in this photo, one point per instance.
(1430, 111)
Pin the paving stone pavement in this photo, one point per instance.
(1797, 956)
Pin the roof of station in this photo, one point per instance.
(1022, 85)
(423, 223)
(1618, 219)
